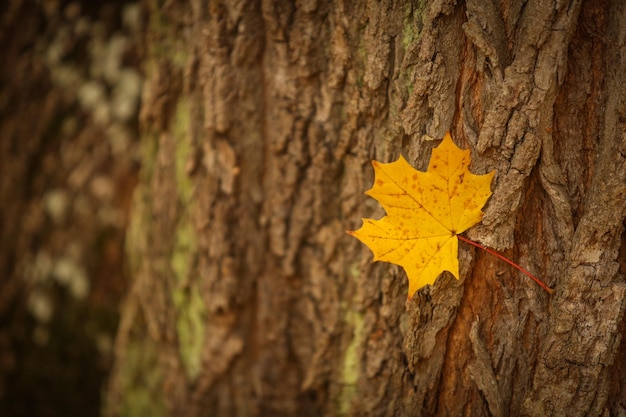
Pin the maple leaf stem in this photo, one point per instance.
(508, 261)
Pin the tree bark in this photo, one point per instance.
(259, 122)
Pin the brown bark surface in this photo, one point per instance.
(259, 121)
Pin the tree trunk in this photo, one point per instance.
(259, 122)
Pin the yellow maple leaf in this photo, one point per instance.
(425, 212)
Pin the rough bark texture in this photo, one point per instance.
(259, 122)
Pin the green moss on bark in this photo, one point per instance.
(190, 308)
(350, 371)
(141, 381)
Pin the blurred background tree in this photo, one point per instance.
(70, 86)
